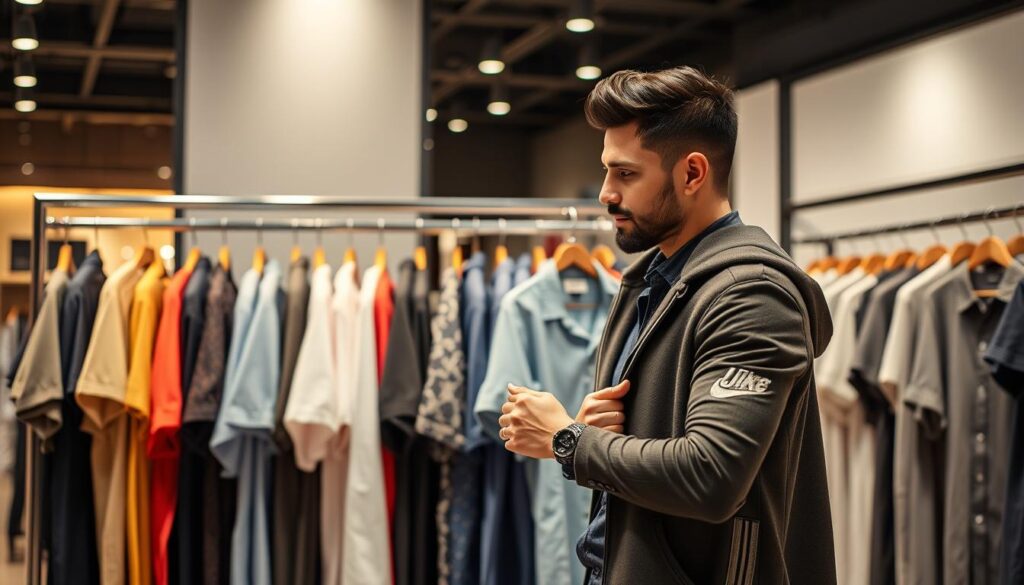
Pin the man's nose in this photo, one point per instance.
(609, 197)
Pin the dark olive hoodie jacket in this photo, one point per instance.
(719, 478)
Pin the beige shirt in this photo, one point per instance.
(101, 395)
(37, 388)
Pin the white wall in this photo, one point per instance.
(755, 175)
(566, 159)
(310, 97)
(943, 106)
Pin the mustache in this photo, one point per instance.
(616, 209)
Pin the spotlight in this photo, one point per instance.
(24, 71)
(25, 38)
(499, 104)
(431, 114)
(581, 16)
(588, 68)
(490, 58)
(457, 125)
(24, 100)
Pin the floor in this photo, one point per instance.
(10, 573)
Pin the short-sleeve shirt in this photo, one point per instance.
(541, 344)
(1006, 356)
(101, 395)
(952, 391)
(37, 388)
(242, 434)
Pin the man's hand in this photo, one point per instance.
(529, 420)
(604, 408)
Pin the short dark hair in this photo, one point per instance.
(676, 109)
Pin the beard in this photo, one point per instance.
(650, 230)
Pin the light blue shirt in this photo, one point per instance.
(540, 343)
(242, 433)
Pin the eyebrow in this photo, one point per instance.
(620, 163)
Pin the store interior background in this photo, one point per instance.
(325, 97)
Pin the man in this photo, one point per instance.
(706, 454)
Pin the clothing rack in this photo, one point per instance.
(992, 213)
(460, 214)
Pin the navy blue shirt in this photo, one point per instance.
(661, 275)
(1006, 355)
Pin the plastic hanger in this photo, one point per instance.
(224, 254)
(604, 255)
(963, 250)
(500, 252)
(539, 256)
(572, 254)
(380, 259)
(991, 250)
(932, 254)
(1016, 243)
(259, 255)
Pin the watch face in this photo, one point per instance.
(564, 442)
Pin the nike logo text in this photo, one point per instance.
(738, 381)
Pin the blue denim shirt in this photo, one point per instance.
(661, 275)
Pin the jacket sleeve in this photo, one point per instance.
(731, 417)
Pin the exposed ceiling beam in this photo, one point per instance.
(677, 8)
(83, 50)
(452, 21)
(99, 41)
(523, 45)
(510, 119)
(537, 97)
(142, 4)
(96, 118)
(148, 104)
(474, 77)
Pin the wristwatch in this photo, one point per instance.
(563, 444)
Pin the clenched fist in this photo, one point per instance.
(604, 408)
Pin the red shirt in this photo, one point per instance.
(165, 421)
(383, 309)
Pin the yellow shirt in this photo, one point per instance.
(101, 393)
(145, 316)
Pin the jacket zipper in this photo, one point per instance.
(649, 329)
(604, 342)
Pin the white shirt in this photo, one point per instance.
(310, 416)
(367, 555)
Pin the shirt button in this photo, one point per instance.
(980, 438)
(979, 519)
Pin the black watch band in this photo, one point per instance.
(563, 444)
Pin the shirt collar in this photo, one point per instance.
(549, 285)
(669, 269)
(478, 261)
(966, 298)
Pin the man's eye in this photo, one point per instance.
(625, 173)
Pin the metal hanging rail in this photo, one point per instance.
(992, 213)
(424, 226)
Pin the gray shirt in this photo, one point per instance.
(956, 400)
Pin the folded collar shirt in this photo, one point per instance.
(540, 343)
(242, 439)
(960, 402)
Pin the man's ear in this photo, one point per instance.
(691, 172)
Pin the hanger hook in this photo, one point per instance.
(295, 231)
(960, 224)
(574, 219)
(903, 236)
(259, 231)
(145, 231)
(224, 231)
(935, 231)
(96, 232)
(380, 231)
(1016, 216)
(984, 220)
(502, 224)
(65, 221)
(319, 232)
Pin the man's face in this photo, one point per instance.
(639, 193)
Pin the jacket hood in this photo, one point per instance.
(745, 244)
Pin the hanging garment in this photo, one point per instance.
(917, 509)
(185, 556)
(142, 331)
(958, 401)
(37, 389)
(383, 309)
(208, 503)
(296, 492)
(541, 344)
(72, 555)
(163, 446)
(1006, 355)
(506, 522)
(242, 434)
(366, 557)
(416, 472)
(101, 394)
(8, 419)
(442, 407)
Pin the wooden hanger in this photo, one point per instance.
(899, 259)
(319, 257)
(419, 257)
(930, 256)
(192, 259)
(961, 251)
(144, 256)
(224, 257)
(1016, 243)
(12, 314)
(380, 259)
(812, 266)
(259, 255)
(457, 259)
(991, 250)
(65, 258)
(572, 254)
(539, 256)
(501, 251)
(828, 263)
(846, 265)
(296, 253)
(604, 255)
(873, 264)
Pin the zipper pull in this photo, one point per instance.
(681, 291)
